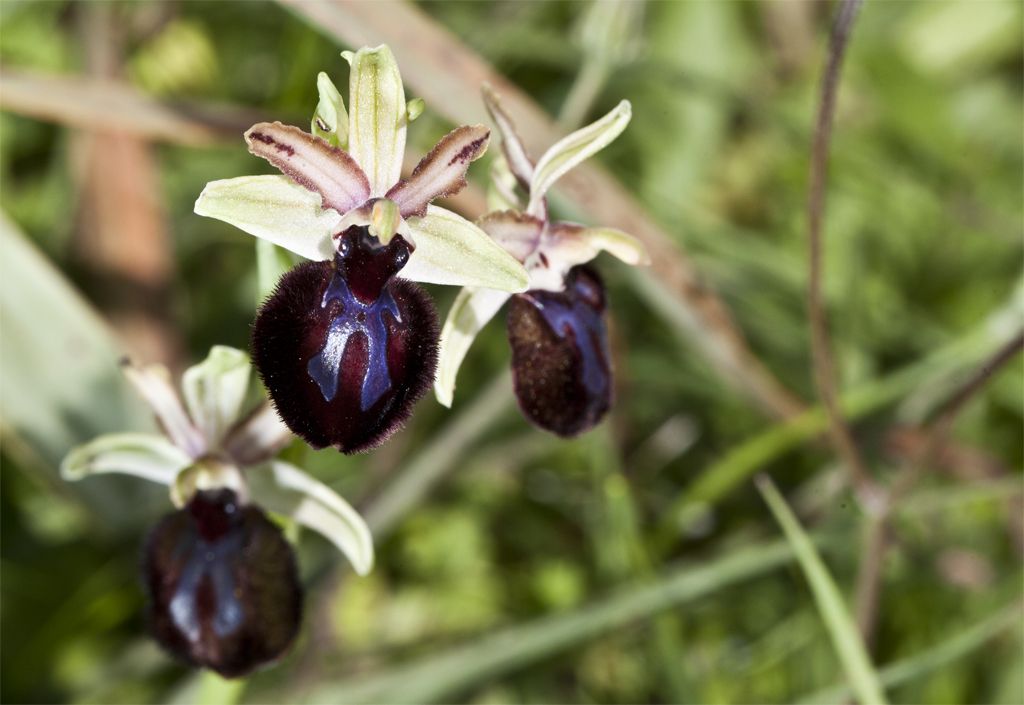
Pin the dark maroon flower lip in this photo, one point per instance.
(345, 348)
(560, 360)
(223, 585)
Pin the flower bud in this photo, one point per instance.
(345, 348)
(223, 586)
(560, 361)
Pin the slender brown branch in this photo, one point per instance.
(824, 366)
(448, 74)
(878, 535)
(943, 424)
(107, 104)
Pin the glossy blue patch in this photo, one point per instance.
(208, 562)
(356, 316)
(579, 316)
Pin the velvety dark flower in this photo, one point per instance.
(557, 330)
(221, 577)
(346, 347)
(560, 365)
(223, 586)
(345, 353)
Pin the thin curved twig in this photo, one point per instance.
(943, 424)
(824, 366)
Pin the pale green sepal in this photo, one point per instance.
(414, 108)
(273, 208)
(330, 121)
(214, 391)
(146, 455)
(384, 220)
(619, 244)
(574, 149)
(272, 262)
(451, 250)
(377, 121)
(472, 309)
(575, 244)
(285, 489)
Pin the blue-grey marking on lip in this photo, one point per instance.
(587, 327)
(211, 561)
(356, 317)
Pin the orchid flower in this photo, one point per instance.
(560, 363)
(222, 582)
(345, 345)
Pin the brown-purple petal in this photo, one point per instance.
(518, 233)
(519, 162)
(442, 172)
(312, 163)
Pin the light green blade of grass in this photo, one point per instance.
(945, 652)
(841, 627)
(444, 675)
(59, 357)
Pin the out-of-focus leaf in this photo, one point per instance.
(62, 384)
(272, 261)
(943, 653)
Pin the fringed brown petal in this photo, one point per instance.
(442, 172)
(312, 163)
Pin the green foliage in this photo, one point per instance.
(513, 567)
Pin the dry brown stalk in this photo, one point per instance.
(821, 353)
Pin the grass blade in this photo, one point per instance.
(944, 653)
(848, 644)
(444, 675)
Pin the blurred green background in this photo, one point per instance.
(637, 563)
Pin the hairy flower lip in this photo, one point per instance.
(223, 585)
(346, 348)
(561, 367)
